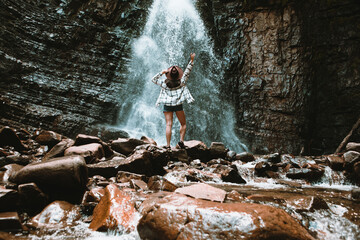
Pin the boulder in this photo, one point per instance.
(159, 183)
(9, 200)
(245, 157)
(138, 184)
(305, 173)
(229, 173)
(48, 138)
(351, 156)
(82, 139)
(90, 152)
(274, 158)
(217, 150)
(179, 155)
(107, 168)
(57, 215)
(352, 146)
(197, 150)
(63, 177)
(335, 162)
(107, 133)
(176, 216)
(203, 191)
(115, 211)
(31, 198)
(59, 149)
(8, 137)
(148, 140)
(123, 177)
(144, 161)
(231, 155)
(10, 222)
(10, 171)
(126, 145)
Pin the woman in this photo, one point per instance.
(172, 94)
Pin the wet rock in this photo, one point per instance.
(90, 152)
(231, 155)
(274, 158)
(197, 150)
(107, 168)
(10, 171)
(352, 146)
(179, 155)
(57, 215)
(261, 168)
(306, 203)
(218, 161)
(123, 176)
(144, 161)
(126, 145)
(107, 133)
(197, 175)
(63, 177)
(8, 137)
(159, 183)
(355, 193)
(9, 200)
(59, 149)
(148, 140)
(234, 196)
(48, 138)
(305, 173)
(82, 139)
(336, 162)
(115, 211)
(31, 198)
(10, 222)
(265, 198)
(351, 156)
(217, 150)
(203, 191)
(229, 173)
(138, 184)
(245, 157)
(91, 199)
(178, 217)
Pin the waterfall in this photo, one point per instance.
(173, 30)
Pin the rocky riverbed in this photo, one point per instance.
(107, 186)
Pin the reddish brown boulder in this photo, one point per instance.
(59, 149)
(352, 146)
(90, 152)
(63, 177)
(179, 217)
(56, 215)
(107, 168)
(11, 170)
(8, 200)
(82, 139)
(197, 150)
(48, 138)
(159, 183)
(126, 145)
(8, 137)
(336, 162)
(115, 210)
(217, 150)
(245, 157)
(203, 191)
(148, 140)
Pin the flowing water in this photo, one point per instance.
(173, 30)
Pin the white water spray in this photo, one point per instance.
(173, 30)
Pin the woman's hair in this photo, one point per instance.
(174, 81)
(174, 73)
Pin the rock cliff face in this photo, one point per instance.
(291, 68)
(61, 61)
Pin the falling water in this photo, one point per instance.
(173, 30)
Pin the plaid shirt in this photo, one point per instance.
(174, 96)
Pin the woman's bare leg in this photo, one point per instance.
(169, 122)
(182, 119)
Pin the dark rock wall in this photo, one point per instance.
(291, 70)
(61, 61)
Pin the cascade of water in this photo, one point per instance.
(173, 30)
